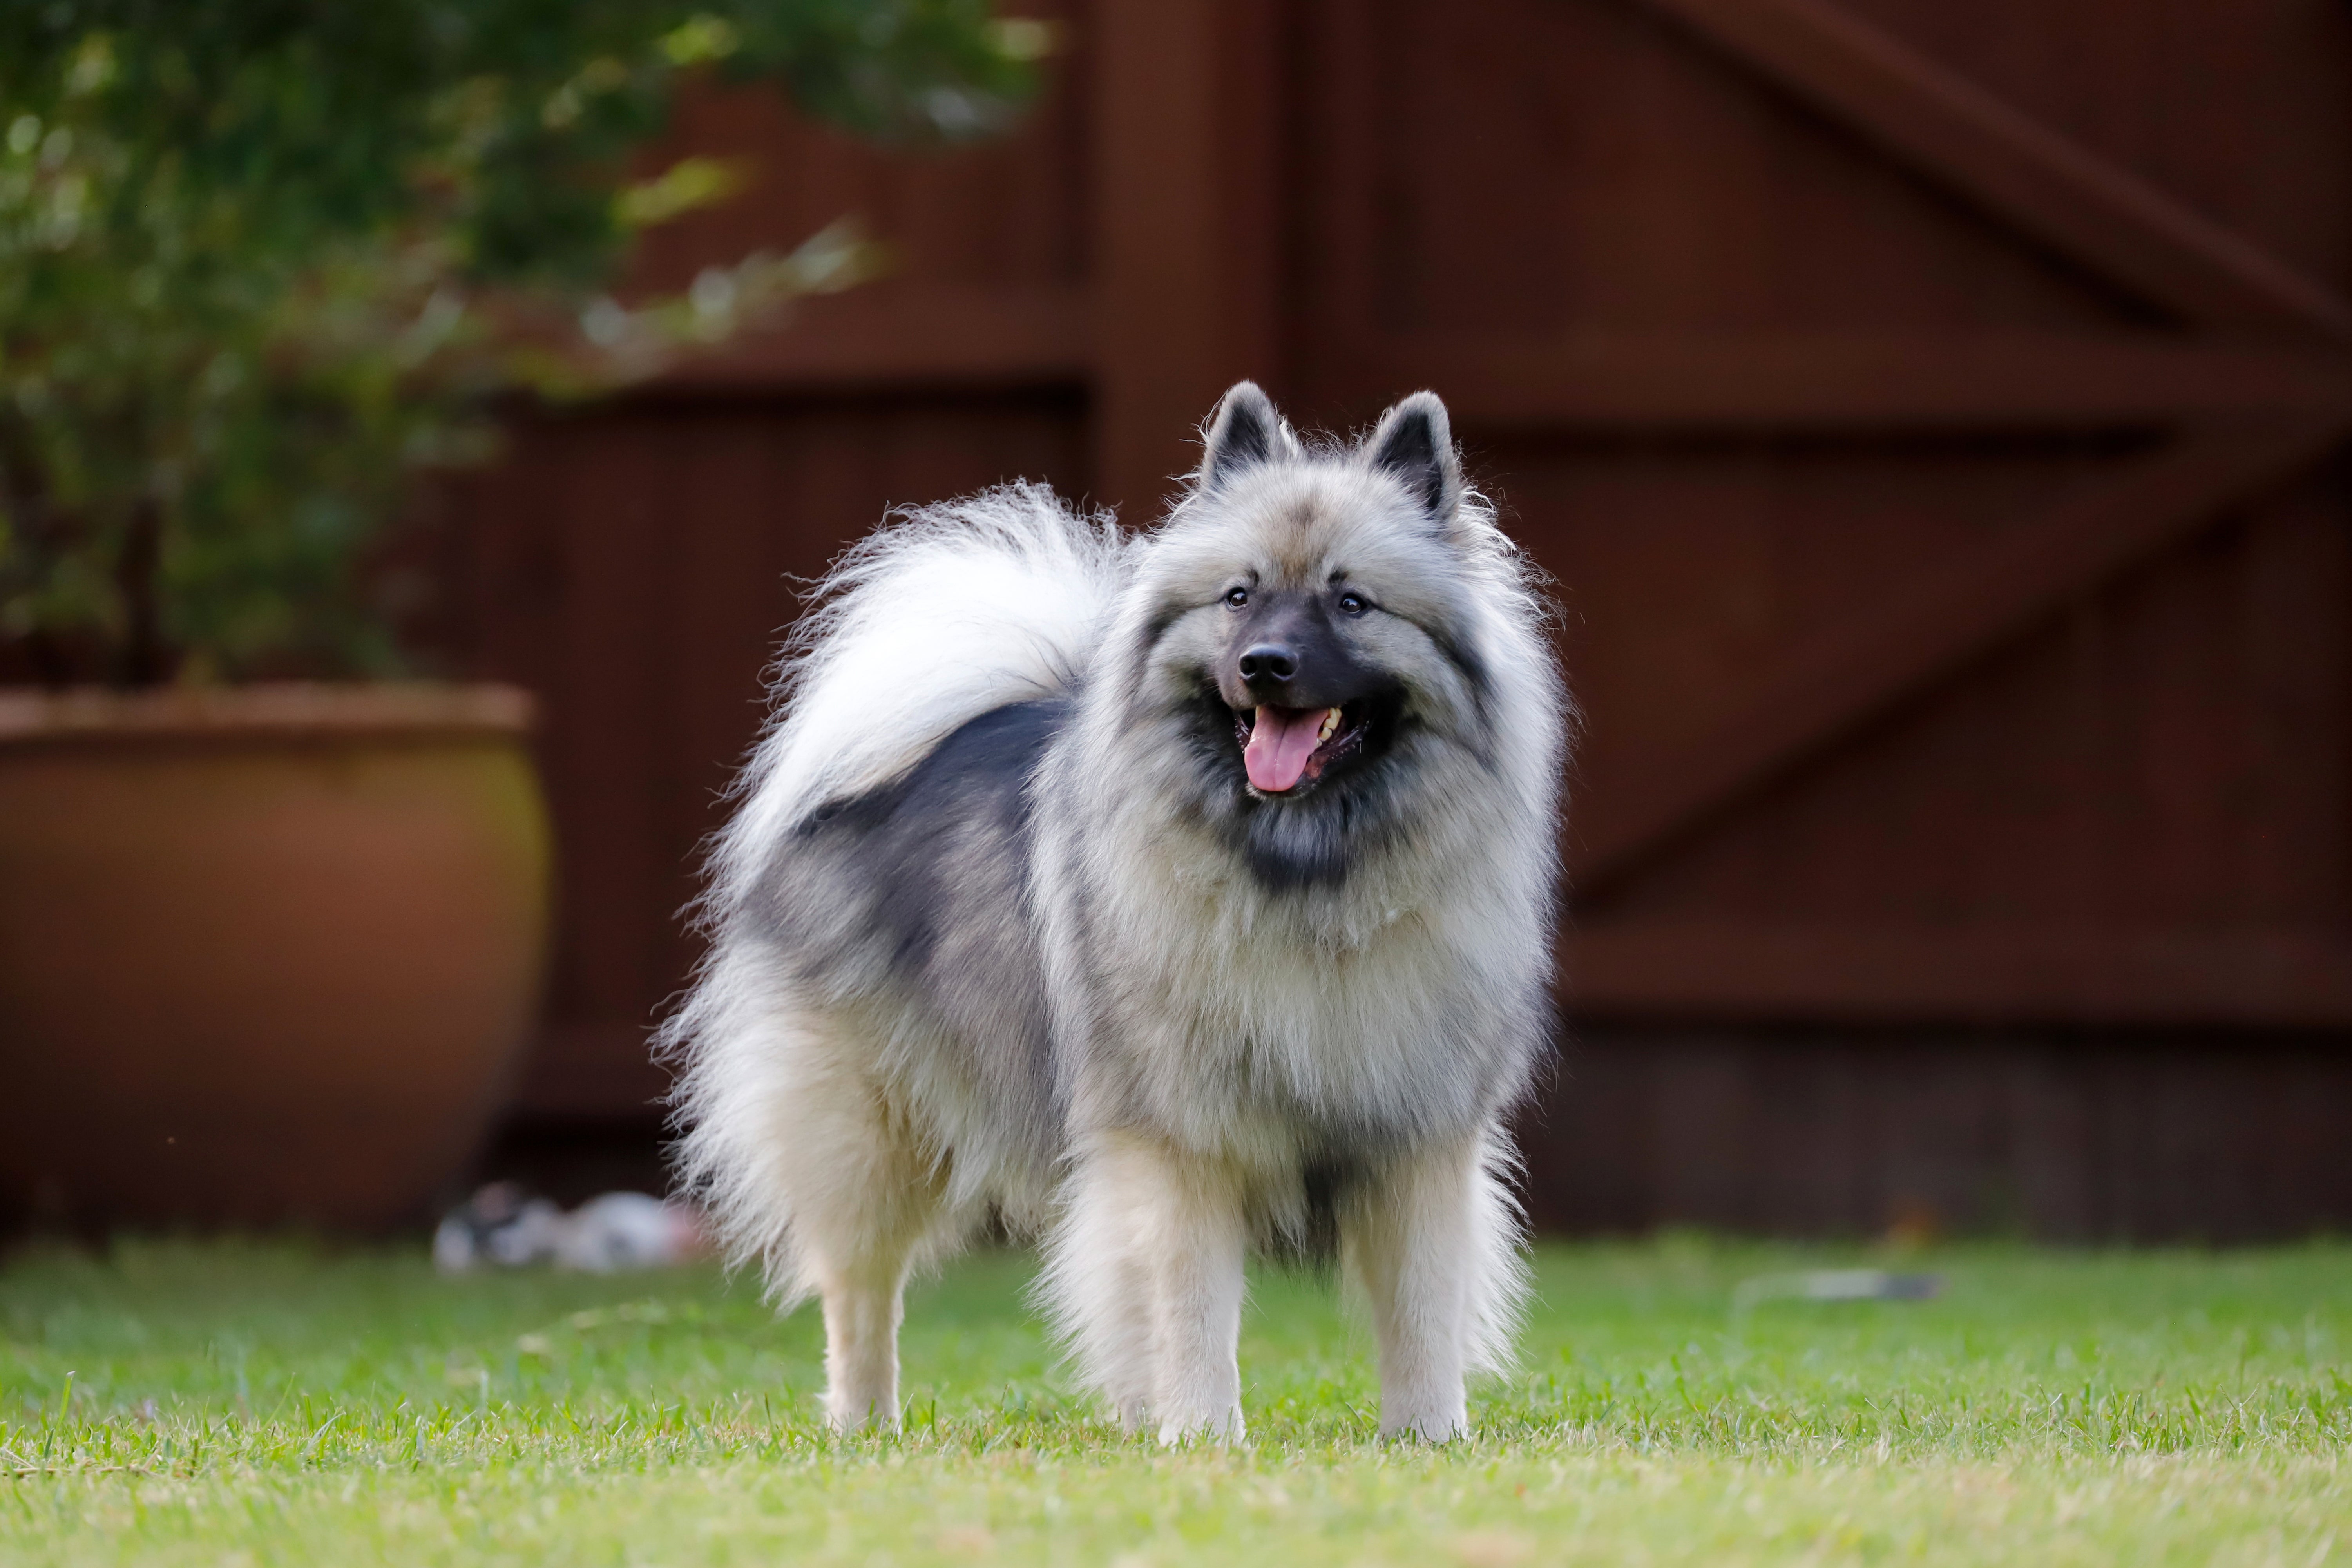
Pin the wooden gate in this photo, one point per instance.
(1930, 413)
(1907, 422)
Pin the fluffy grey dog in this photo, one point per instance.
(1164, 895)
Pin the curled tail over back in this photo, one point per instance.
(944, 613)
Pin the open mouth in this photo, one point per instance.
(1284, 748)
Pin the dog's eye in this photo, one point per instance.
(1237, 597)
(1353, 605)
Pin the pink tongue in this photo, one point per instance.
(1278, 748)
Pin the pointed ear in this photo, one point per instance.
(1243, 432)
(1414, 441)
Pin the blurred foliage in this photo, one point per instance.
(263, 260)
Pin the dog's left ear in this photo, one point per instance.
(1414, 441)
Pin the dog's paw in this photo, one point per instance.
(1427, 1426)
(1225, 1428)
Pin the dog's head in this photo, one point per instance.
(1314, 629)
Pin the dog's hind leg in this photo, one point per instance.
(864, 1305)
(806, 1163)
(859, 1255)
(867, 1205)
(1433, 1241)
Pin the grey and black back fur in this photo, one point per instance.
(1166, 896)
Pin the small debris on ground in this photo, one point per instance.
(502, 1227)
(1836, 1285)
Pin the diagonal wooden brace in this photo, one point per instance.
(1953, 612)
(2015, 166)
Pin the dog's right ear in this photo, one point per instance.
(1243, 432)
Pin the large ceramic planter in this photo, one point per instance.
(266, 956)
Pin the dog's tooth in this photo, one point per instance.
(1330, 727)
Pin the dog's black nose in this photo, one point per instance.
(1270, 661)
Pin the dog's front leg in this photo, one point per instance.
(1144, 1275)
(1194, 1239)
(1431, 1241)
(1099, 1279)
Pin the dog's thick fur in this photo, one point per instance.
(1002, 923)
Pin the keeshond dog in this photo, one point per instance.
(1165, 896)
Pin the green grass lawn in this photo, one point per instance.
(261, 1405)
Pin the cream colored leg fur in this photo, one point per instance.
(1144, 1275)
(809, 1161)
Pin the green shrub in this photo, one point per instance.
(261, 261)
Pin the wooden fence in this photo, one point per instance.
(1931, 413)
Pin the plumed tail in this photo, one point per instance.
(944, 613)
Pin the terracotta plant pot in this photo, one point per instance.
(267, 954)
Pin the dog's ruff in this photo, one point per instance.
(1006, 923)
